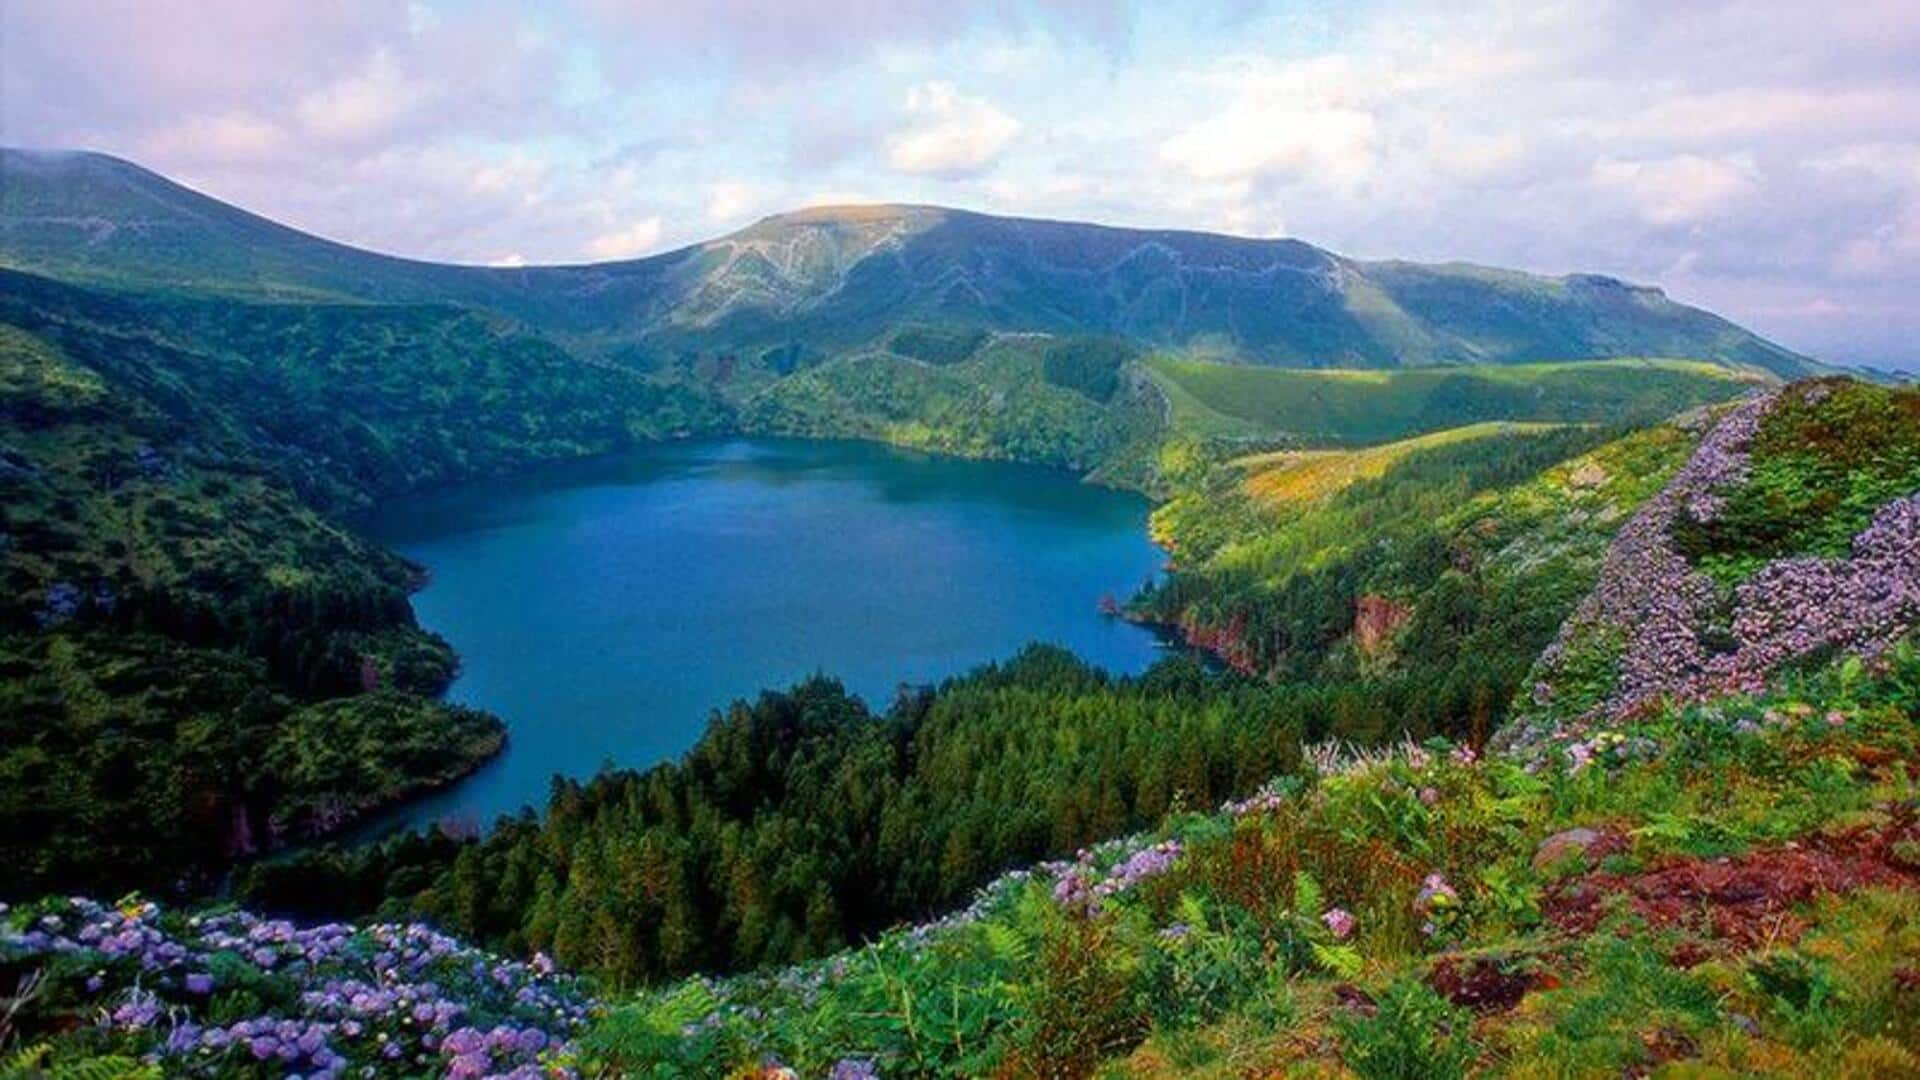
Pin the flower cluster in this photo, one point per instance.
(1340, 922)
(361, 1001)
(1661, 607)
(1080, 886)
(1438, 903)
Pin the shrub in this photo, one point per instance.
(1415, 1035)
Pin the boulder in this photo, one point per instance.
(1561, 846)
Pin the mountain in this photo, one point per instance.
(802, 287)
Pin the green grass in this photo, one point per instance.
(1321, 407)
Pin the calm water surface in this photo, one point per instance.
(605, 608)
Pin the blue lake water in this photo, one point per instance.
(604, 609)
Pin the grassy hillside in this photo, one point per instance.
(1320, 408)
(1288, 476)
(1129, 418)
(1407, 559)
(1793, 536)
(1731, 893)
(1074, 403)
(196, 664)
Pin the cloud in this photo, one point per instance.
(949, 135)
(766, 39)
(1679, 190)
(636, 239)
(731, 200)
(225, 138)
(365, 104)
(1249, 141)
(1302, 118)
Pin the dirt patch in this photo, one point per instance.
(1745, 901)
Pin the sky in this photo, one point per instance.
(1760, 158)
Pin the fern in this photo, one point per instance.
(1307, 897)
(30, 1063)
(1343, 961)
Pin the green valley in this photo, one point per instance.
(1547, 708)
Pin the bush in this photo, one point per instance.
(1415, 1035)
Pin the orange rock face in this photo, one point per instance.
(1375, 620)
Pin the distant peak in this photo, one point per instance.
(849, 214)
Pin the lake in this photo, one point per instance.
(605, 608)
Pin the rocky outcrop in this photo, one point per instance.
(1376, 619)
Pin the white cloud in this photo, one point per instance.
(948, 134)
(1680, 190)
(227, 137)
(731, 200)
(1251, 140)
(636, 239)
(362, 105)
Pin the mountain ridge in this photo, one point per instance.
(815, 282)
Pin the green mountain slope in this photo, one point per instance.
(1349, 407)
(818, 282)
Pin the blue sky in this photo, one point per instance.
(1760, 158)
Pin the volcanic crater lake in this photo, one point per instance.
(605, 608)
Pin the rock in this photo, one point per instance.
(1375, 620)
(1560, 846)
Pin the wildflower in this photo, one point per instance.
(1435, 892)
(1340, 921)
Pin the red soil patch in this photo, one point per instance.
(1487, 984)
(1749, 900)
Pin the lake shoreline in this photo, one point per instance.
(605, 470)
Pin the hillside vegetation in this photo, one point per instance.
(202, 661)
(1693, 851)
(1288, 476)
(178, 468)
(1726, 885)
(1345, 408)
